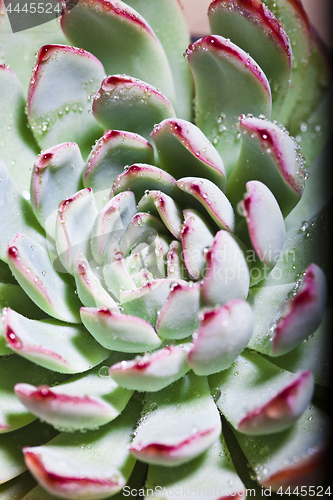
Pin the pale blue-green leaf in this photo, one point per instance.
(62, 82)
(52, 292)
(186, 403)
(92, 465)
(184, 150)
(52, 344)
(167, 18)
(19, 216)
(84, 401)
(119, 332)
(17, 144)
(122, 40)
(127, 103)
(236, 85)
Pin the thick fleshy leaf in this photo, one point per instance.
(295, 21)
(19, 216)
(119, 332)
(256, 30)
(147, 301)
(114, 151)
(117, 277)
(89, 286)
(236, 85)
(176, 268)
(294, 457)
(227, 275)
(147, 258)
(178, 317)
(188, 403)
(222, 335)
(13, 414)
(213, 473)
(17, 487)
(74, 225)
(167, 20)
(52, 344)
(258, 398)
(52, 292)
(141, 177)
(265, 222)
(166, 208)
(93, 465)
(180, 142)
(142, 229)
(212, 199)
(17, 147)
(11, 458)
(83, 402)
(288, 314)
(62, 81)
(120, 93)
(196, 238)
(113, 27)
(56, 175)
(110, 226)
(271, 156)
(152, 372)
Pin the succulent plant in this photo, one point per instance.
(164, 254)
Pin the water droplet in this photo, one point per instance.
(103, 372)
(215, 393)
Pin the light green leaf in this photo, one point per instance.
(165, 206)
(18, 486)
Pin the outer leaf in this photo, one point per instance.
(227, 275)
(31, 266)
(178, 317)
(159, 441)
(212, 473)
(17, 146)
(13, 414)
(113, 27)
(19, 217)
(18, 486)
(153, 371)
(167, 20)
(74, 225)
(268, 155)
(259, 398)
(62, 80)
(236, 85)
(256, 30)
(114, 151)
(94, 465)
(212, 198)
(294, 457)
(118, 94)
(179, 142)
(119, 332)
(56, 175)
(83, 402)
(222, 335)
(52, 344)
(11, 459)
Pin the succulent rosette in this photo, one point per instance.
(164, 254)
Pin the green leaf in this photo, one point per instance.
(18, 486)
(236, 86)
(17, 147)
(62, 82)
(122, 40)
(257, 397)
(166, 20)
(19, 216)
(181, 144)
(52, 292)
(119, 94)
(52, 344)
(93, 465)
(119, 332)
(256, 30)
(178, 423)
(83, 402)
(165, 206)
